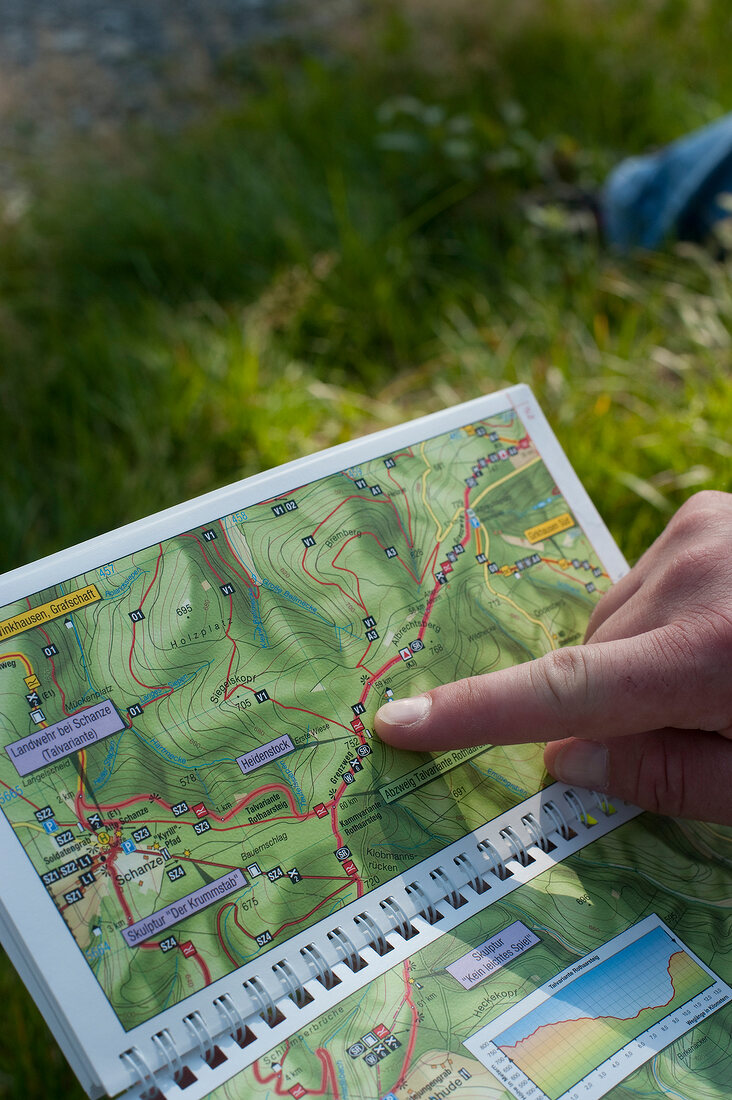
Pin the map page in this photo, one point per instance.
(598, 999)
(185, 746)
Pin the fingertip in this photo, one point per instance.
(400, 720)
(679, 773)
(580, 763)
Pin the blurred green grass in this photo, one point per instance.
(350, 243)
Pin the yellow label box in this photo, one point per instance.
(47, 612)
(550, 527)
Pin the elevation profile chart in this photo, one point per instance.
(585, 1030)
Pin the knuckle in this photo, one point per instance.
(559, 677)
(699, 653)
(469, 695)
(691, 568)
(707, 504)
(660, 778)
(674, 651)
(708, 510)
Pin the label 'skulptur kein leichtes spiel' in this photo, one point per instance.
(490, 956)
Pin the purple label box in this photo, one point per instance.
(186, 906)
(491, 955)
(64, 738)
(265, 754)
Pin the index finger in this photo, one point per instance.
(598, 691)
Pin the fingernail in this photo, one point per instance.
(405, 712)
(583, 763)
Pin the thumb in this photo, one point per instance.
(601, 690)
(676, 772)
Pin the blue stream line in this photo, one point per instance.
(172, 984)
(667, 1089)
(259, 582)
(288, 776)
(182, 681)
(162, 755)
(114, 749)
(78, 639)
(513, 788)
(244, 958)
(207, 792)
(114, 592)
(343, 1024)
(226, 935)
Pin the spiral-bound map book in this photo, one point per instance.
(218, 881)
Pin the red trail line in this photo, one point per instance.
(20, 795)
(400, 560)
(247, 579)
(220, 934)
(328, 1072)
(118, 890)
(204, 969)
(591, 1019)
(218, 817)
(345, 569)
(358, 602)
(20, 657)
(272, 1076)
(155, 574)
(406, 501)
(286, 706)
(134, 624)
(413, 1030)
(290, 923)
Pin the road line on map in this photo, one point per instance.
(516, 470)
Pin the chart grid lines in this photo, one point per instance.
(600, 1019)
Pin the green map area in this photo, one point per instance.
(421, 1015)
(188, 757)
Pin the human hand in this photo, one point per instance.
(642, 710)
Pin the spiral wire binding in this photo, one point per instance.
(169, 1053)
(577, 805)
(319, 966)
(141, 1071)
(496, 860)
(267, 1009)
(294, 988)
(538, 838)
(476, 881)
(428, 910)
(204, 1042)
(375, 936)
(351, 957)
(453, 895)
(402, 924)
(558, 820)
(234, 1021)
(517, 846)
(601, 802)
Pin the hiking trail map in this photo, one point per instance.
(190, 781)
(188, 760)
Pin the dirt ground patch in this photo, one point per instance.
(85, 67)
